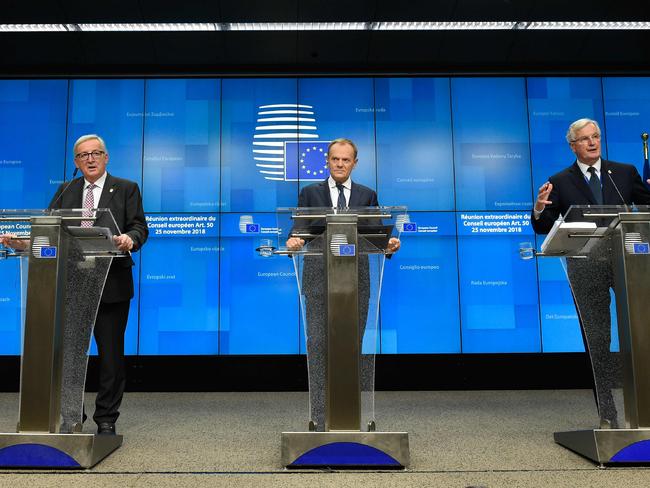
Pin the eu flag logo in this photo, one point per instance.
(410, 227)
(305, 161)
(641, 248)
(48, 252)
(252, 228)
(347, 250)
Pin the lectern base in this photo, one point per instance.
(55, 451)
(609, 446)
(380, 450)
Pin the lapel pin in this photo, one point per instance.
(110, 191)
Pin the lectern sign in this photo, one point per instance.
(410, 227)
(41, 243)
(48, 252)
(339, 246)
(347, 250)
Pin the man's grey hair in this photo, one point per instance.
(89, 137)
(576, 126)
(342, 140)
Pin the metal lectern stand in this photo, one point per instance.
(339, 277)
(616, 251)
(67, 267)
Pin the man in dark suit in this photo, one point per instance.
(339, 191)
(591, 180)
(98, 189)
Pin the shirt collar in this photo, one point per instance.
(99, 183)
(346, 184)
(584, 167)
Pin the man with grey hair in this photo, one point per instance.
(591, 180)
(99, 189)
(573, 185)
(123, 198)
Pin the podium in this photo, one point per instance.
(606, 247)
(339, 274)
(63, 269)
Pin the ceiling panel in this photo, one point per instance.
(35, 12)
(185, 11)
(106, 11)
(256, 11)
(318, 51)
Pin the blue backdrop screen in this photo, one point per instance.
(182, 146)
(414, 143)
(466, 155)
(32, 141)
(491, 144)
(179, 300)
(420, 310)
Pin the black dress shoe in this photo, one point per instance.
(106, 428)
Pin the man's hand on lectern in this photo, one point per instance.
(393, 245)
(123, 242)
(12, 241)
(295, 243)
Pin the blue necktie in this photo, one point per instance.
(594, 184)
(341, 203)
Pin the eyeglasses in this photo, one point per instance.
(84, 156)
(587, 139)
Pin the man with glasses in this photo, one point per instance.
(591, 180)
(98, 189)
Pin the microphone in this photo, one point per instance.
(609, 174)
(74, 173)
(646, 164)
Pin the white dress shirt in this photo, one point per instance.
(585, 167)
(334, 191)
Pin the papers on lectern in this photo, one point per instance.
(566, 237)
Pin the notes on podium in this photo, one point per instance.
(567, 237)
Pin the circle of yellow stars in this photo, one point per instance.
(302, 160)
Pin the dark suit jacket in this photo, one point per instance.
(123, 199)
(571, 188)
(318, 195)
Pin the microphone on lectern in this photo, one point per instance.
(646, 165)
(74, 173)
